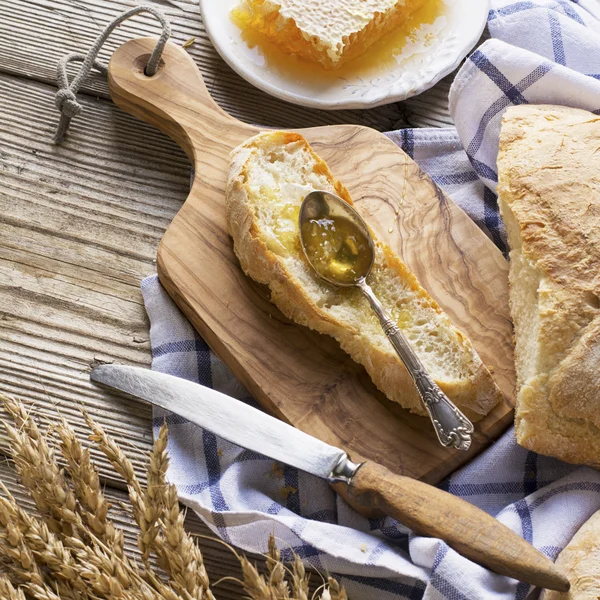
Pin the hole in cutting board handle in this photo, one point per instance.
(141, 63)
(175, 99)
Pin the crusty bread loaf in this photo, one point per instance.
(549, 195)
(580, 562)
(330, 33)
(269, 177)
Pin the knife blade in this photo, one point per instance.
(226, 417)
(424, 508)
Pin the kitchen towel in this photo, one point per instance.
(540, 51)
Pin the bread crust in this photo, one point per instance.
(476, 396)
(580, 562)
(549, 195)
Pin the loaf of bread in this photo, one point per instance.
(330, 33)
(549, 196)
(269, 177)
(580, 562)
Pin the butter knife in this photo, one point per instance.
(425, 509)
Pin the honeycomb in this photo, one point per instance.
(330, 33)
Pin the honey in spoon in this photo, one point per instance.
(337, 248)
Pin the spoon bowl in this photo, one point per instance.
(326, 222)
(339, 246)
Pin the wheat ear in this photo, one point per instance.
(22, 565)
(86, 482)
(107, 574)
(144, 516)
(8, 591)
(154, 498)
(299, 579)
(276, 570)
(189, 558)
(121, 464)
(39, 471)
(74, 553)
(46, 548)
(178, 554)
(335, 590)
(254, 583)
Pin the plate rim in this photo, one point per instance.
(386, 96)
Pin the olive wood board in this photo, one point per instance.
(296, 374)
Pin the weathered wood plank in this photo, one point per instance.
(35, 34)
(80, 227)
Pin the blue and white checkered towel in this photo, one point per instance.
(541, 51)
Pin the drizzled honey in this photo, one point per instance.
(379, 57)
(336, 248)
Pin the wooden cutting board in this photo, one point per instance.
(296, 374)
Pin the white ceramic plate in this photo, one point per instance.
(434, 51)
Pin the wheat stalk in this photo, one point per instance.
(276, 570)
(40, 473)
(88, 492)
(46, 548)
(21, 564)
(154, 498)
(76, 553)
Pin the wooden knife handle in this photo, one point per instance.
(464, 527)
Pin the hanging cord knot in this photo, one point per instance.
(66, 97)
(66, 102)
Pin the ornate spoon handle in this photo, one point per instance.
(451, 426)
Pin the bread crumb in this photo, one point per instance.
(286, 491)
(277, 470)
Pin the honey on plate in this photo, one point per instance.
(374, 59)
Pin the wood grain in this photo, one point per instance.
(464, 527)
(296, 374)
(80, 226)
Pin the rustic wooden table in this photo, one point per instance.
(81, 222)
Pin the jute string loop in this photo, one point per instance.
(66, 97)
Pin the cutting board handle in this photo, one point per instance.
(175, 99)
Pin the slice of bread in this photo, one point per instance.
(330, 33)
(549, 195)
(269, 177)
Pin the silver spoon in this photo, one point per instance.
(324, 220)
